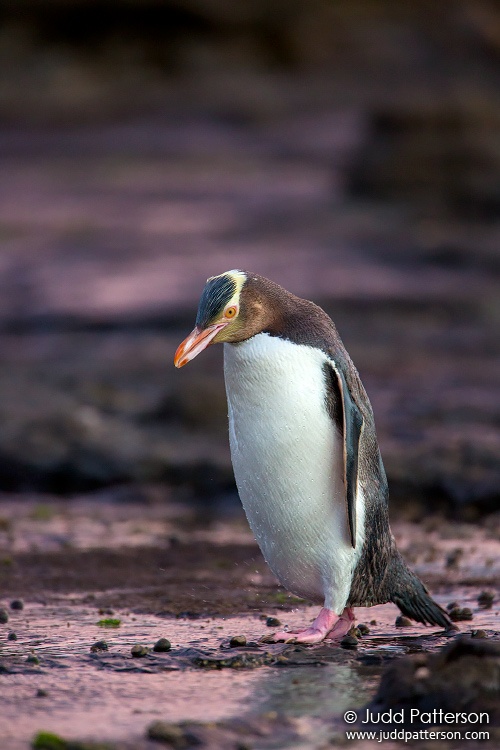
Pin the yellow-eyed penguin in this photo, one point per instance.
(305, 454)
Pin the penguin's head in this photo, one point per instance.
(228, 312)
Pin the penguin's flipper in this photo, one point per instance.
(350, 423)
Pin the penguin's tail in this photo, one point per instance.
(414, 600)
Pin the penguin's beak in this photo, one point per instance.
(198, 339)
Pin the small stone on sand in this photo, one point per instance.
(479, 634)
(238, 640)
(486, 599)
(99, 646)
(162, 645)
(273, 622)
(403, 622)
(349, 641)
(458, 614)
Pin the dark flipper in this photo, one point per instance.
(414, 601)
(350, 423)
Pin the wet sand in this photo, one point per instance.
(167, 570)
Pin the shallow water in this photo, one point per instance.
(113, 696)
(216, 572)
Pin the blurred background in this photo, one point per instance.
(348, 149)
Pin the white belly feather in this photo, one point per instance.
(288, 463)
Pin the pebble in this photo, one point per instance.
(363, 629)
(349, 641)
(12, 636)
(273, 622)
(479, 634)
(139, 651)
(457, 614)
(32, 659)
(452, 605)
(355, 632)
(4, 615)
(99, 646)
(453, 557)
(486, 599)
(403, 622)
(161, 645)
(17, 604)
(238, 640)
(41, 693)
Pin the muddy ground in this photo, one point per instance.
(119, 499)
(351, 154)
(166, 571)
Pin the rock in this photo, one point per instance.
(273, 622)
(41, 693)
(99, 646)
(17, 604)
(403, 622)
(32, 659)
(12, 636)
(355, 632)
(479, 634)
(363, 629)
(349, 641)
(453, 558)
(162, 645)
(238, 640)
(486, 599)
(459, 614)
(463, 677)
(138, 651)
(407, 147)
(4, 615)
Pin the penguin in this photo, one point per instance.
(305, 454)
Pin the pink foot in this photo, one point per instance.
(317, 632)
(343, 625)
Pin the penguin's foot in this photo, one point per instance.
(324, 623)
(343, 625)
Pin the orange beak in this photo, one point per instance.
(198, 339)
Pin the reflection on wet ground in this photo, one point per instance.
(111, 695)
(51, 680)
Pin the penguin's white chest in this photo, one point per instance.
(288, 462)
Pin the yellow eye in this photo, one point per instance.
(231, 312)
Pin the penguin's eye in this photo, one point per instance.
(231, 312)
